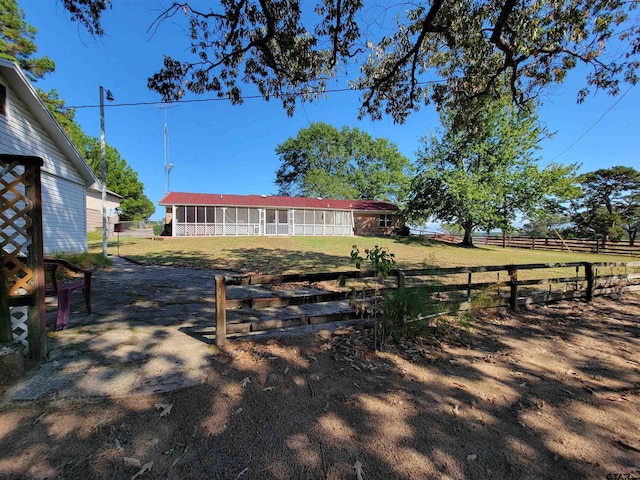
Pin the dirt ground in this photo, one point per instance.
(550, 392)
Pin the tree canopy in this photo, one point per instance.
(544, 223)
(322, 161)
(481, 173)
(408, 54)
(609, 205)
(121, 178)
(17, 41)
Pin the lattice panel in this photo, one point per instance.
(15, 240)
(14, 227)
(19, 318)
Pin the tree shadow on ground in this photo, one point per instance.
(549, 392)
(275, 261)
(253, 260)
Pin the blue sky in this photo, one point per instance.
(219, 148)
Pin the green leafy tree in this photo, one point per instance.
(408, 53)
(121, 179)
(541, 224)
(481, 173)
(322, 161)
(66, 118)
(609, 205)
(17, 41)
(452, 229)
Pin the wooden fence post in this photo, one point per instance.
(401, 279)
(6, 332)
(221, 311)
(513, 297)
(588, 272)
(469, 287)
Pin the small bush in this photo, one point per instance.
(158, 229)
(408, 313)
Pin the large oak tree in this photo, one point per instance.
(322, 161)
(481, 173)
(405, 54)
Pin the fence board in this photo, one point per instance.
(279, 317)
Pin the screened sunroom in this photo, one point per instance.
(195, 214)
(193, 220)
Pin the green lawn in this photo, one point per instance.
(272, 255)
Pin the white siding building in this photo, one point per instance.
(28, 128)
(94, 210)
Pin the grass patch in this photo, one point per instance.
(86, 260)
(274, 255)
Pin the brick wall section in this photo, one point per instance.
(369, 224)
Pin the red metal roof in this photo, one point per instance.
(265, 201)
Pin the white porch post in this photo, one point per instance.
(292, 214)
(224, 219)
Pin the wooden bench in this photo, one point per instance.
(64, 289)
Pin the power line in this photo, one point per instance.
(194, 100)
(204, 100)
(592, 126)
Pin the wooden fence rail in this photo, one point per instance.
(590, 279)
(536, 243)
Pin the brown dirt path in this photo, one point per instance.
(550, 392)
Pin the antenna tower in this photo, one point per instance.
(167, 166)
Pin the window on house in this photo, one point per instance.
(386, 221)
(3, 100)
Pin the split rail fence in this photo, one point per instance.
(532, 243)
(451, 289)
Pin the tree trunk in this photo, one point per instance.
(467, 241)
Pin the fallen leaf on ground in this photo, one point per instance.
(242, 473)
(39, 418)
(472, 456)
(268, 389)
(245, 381)
(145, 468)
(165, 407)
(132, 462)
(358, 468)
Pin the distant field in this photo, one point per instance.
(322, 254)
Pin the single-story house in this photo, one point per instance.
(28, 128)
(94, 209)
(205, 214)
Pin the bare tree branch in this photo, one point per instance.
(427, 27)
